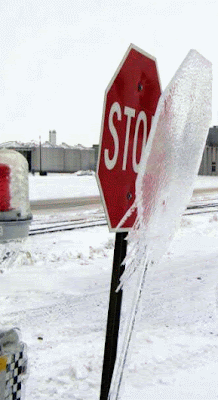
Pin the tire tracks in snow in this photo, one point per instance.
(68, 308)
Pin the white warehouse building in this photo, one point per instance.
(50, 157)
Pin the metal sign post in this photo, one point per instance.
(113, 321)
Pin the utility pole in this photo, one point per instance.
(40, 156)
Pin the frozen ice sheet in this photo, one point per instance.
(164, 185)
(171, 159)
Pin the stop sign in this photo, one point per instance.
(130, 102)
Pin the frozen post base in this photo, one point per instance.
(12, 226)
(14, 230)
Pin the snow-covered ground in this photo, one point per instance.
(58, 186)
(206, 182)
(55, 288)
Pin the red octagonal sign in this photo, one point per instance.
(130, 102)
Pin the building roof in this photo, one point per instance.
(19, 145)
(33, 144)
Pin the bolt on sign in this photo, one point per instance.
(130, 103)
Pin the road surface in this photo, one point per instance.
(54, 205)
(66, 204)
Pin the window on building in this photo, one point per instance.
(213, 167)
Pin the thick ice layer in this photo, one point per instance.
(170, 163)
(171, 160)
(19, 186)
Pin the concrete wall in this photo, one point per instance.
(63, 160)
(87, 159)
(52, 159)
(72, 160)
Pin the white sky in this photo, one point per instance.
(57, 57)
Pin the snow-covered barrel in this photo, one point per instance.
(15, 214)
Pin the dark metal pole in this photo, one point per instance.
(113, 321)
(40, 156)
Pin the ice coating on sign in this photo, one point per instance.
(19, 185)
(164, 185)
(171, 160)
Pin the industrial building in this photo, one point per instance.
(209, 163)
(50, 157)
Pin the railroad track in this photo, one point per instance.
(66, 226)
(201, 208)
(40, 227)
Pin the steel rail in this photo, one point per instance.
(67, 227)
(80, 223)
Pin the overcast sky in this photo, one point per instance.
(57, 57)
